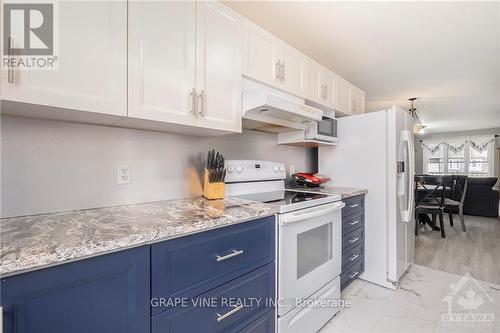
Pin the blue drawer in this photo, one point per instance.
(351, 256)
(353, 239)
(353, 205)
(264, 324)
(352, 273)
(192, 265)
(257, 285)
(353, 222)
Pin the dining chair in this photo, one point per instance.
(453, 206)
(433, 200)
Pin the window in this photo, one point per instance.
(465, 156)
(478, 165)
(435, 160)
(456, 162)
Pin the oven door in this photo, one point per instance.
(309, 252)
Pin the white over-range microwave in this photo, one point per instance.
(323, 130)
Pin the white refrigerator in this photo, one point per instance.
(375, 151)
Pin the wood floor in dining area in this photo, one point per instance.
(476, 251)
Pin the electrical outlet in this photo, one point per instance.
(292, 169)
(123, 174)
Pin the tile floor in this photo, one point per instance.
(418, 305)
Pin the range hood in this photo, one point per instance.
(266, 109)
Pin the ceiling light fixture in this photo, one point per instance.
(418, 127)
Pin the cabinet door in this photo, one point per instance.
(162, 61)
(108, 293)
(261, 53)
(315, 85)
(294, 72)
(92, 74)
(218, 66)
(328, 81)
(343, 95)
(357, 104)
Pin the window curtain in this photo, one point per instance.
(472, 156)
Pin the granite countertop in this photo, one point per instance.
(345, 192)
(33, 242)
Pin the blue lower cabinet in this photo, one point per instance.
(265, 324)
(190, 266)
(232, 307)
(105, 294)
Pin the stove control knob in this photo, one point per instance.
(230, 169)
(282, 169)
(276, 169)
(239, 169)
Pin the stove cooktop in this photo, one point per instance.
(291, 200)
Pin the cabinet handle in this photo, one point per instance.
(201, 111)
(228, 314)
(322, 91)
(351, 276)
(354, 257)
(10, 70)
(277, 70)
(354, 206)
(354, 222)
(193, 101)
(353, 240)
(230, 255)
(283, 72)
(326, 91)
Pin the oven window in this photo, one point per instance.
(314, 248)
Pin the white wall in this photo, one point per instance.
(419, 151)
(51, 166)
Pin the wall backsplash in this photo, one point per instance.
(52, 166)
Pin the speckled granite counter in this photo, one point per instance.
(38, 241)
(345, 192)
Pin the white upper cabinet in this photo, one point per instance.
(315, 87)
(342, 101)
(161, 63)
(268, 60)
(357, 97)
(293, 71)
(92, 74)
(185, 64)
(261, 54)
(218, 67)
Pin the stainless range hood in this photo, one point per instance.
(269, 110)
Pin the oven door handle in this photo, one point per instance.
(306, 214)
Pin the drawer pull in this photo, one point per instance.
(228, 314)
(354, 222)
(353, 240)
(230, 255)
(354, 257)
(353, 275)
(354, 206)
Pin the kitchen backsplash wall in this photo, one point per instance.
(52, 166)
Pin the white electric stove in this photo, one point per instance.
(309, 243)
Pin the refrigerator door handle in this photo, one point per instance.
(408, 139)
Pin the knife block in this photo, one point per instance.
(212, 190)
